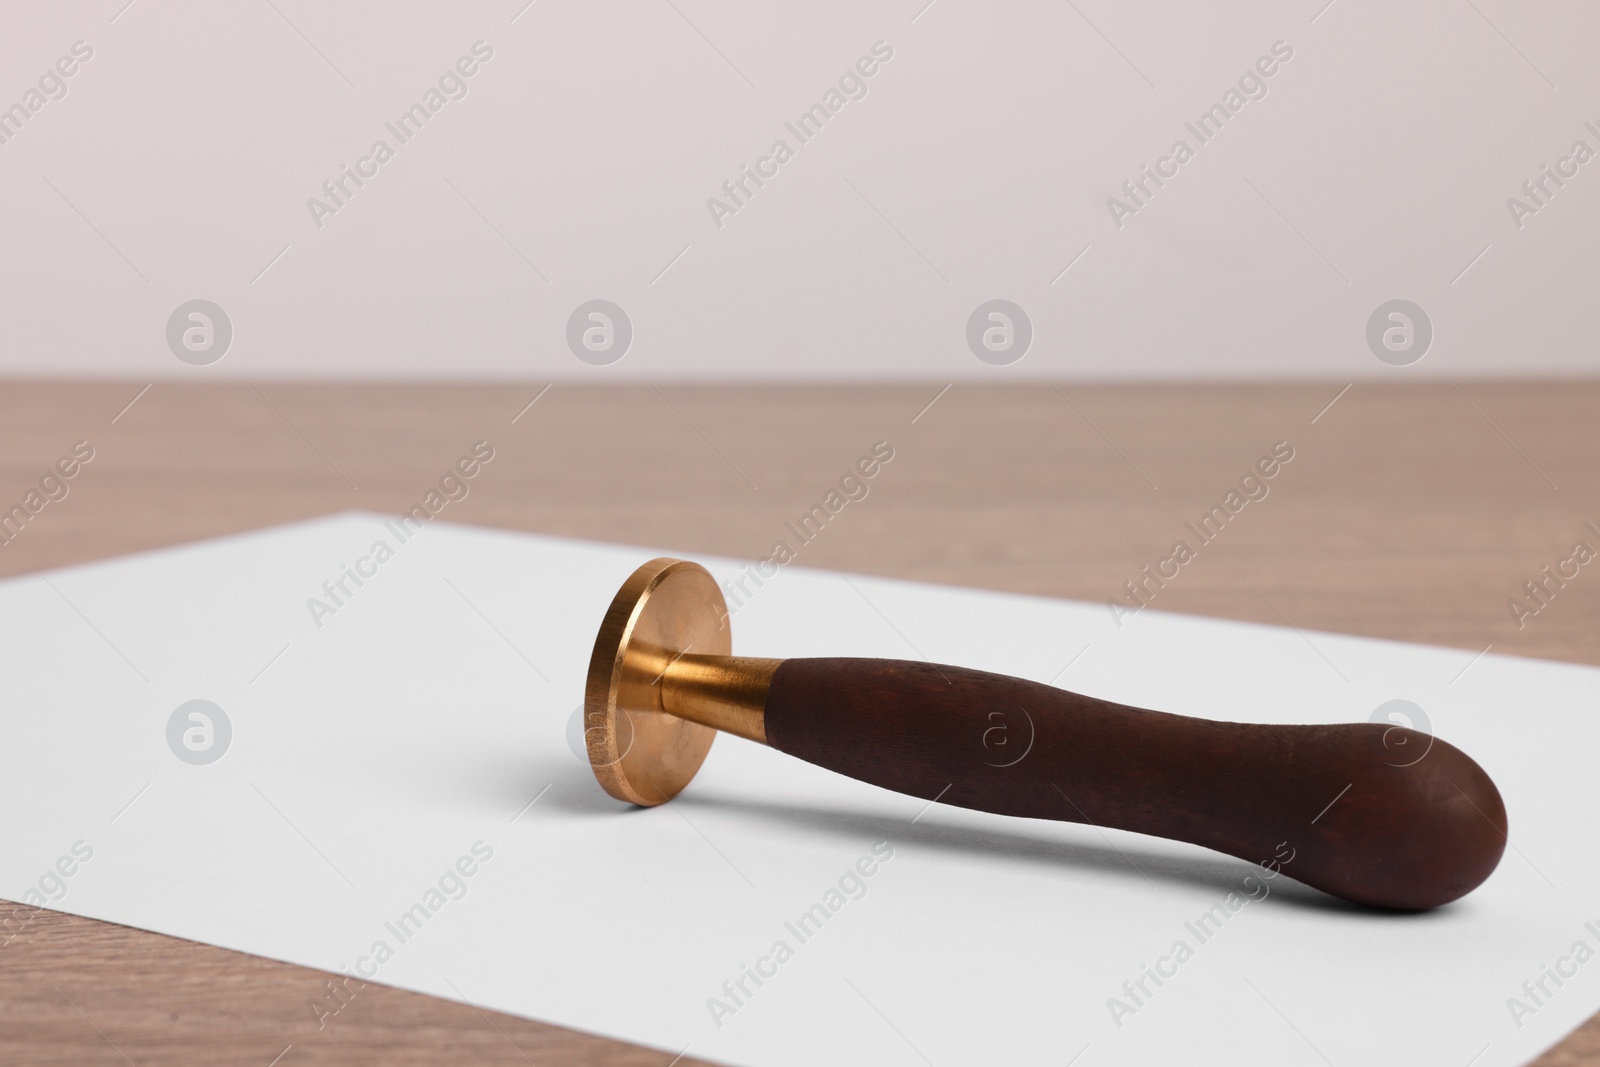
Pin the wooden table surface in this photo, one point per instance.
(1410, 511)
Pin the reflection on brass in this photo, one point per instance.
(661, 665)
(726, 693)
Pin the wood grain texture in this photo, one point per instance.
(1334, 801)
(1412, 512)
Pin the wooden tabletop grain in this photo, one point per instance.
(1409, 511)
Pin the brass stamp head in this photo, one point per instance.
(668, 609)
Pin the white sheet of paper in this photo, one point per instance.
(371, 753)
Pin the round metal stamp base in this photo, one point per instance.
(666, 609)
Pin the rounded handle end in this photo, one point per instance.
(1407, 835)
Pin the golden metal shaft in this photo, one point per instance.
(727, 693)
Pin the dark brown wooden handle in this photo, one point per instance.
(1374, 814)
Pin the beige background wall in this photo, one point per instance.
(977, 165)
